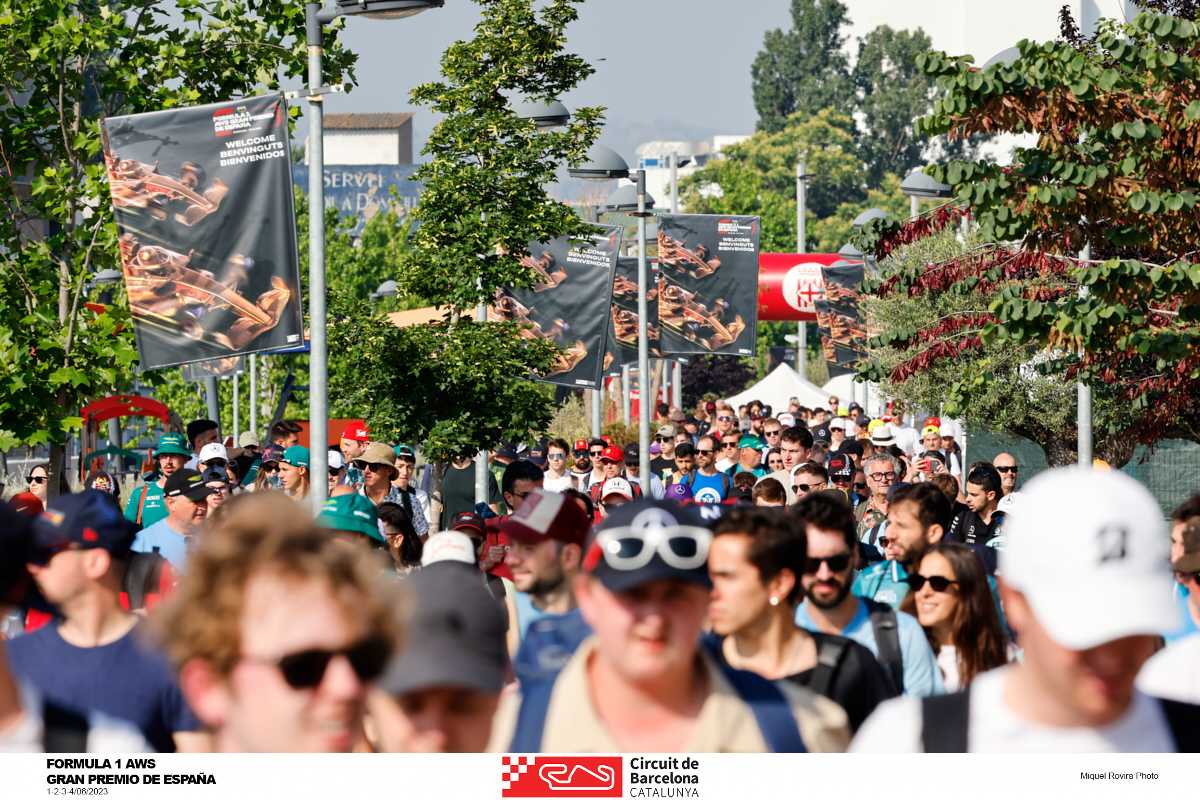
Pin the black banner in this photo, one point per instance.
(708, 287)
(206, 217)
(569, 304)
(843, 337)
(622, 345)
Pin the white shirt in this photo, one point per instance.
(105, 734)
(1174, 673)
(907, 437)
(724, 464)
(895, 727)
(557, 484)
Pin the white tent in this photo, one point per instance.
(847, 391)
(778, 388)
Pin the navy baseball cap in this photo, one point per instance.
(506, 449)
(91, 518)
(646, 541)
(633, 452)
(537, 457)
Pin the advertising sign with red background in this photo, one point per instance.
(789, 285)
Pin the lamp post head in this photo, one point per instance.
(625, 199)
(378, 9)
(544, 116)
(386, 289)
(108, 276)
(850, 252)
(602, 164)
(918, 184)
(868, 215)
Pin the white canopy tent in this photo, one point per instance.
(847, 391)
(778, 388)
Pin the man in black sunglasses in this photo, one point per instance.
(290, 671)
(1006, 465)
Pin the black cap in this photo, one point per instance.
(186, 483)
(821, 434)
(91, 518)
(841, 465)
(679, 527)
(506, 449)
(851, 447)
(457, 634)
(633, 452)
(464, 520)
(214, 474)
(537, 457)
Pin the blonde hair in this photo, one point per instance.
(260, 533)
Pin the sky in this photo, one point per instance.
(665, 69)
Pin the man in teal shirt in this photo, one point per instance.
(146, 505)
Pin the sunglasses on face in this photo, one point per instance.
(556, 456)
(367, 466)
(269, 468)
(38, 479)
(837, 563)
(581, 454)
(725, 418)
(729, 445)
(660, 439)
(1013, 470)
(306, 669)
(706, 452)
(862, 485)
(335, 471)
(840, 479)
(936, 582)
(596, 453)
(772, 433)
(805, 488)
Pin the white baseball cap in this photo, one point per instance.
(839, 423)
(336, 459)
(214, 450)
(786, 420)
(616, 486)
(448, 546)
(1089, 552)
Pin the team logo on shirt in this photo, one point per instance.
(561, 776)
(708, 495)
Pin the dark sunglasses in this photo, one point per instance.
(936, 582)
(861, 485)
(840, 478)
(38, 479)
(708, 452)
(269, 468)
(728, 445)
(979, 472)
(41, 557)
(335, 471)
(837, 563)
(596, 452)
(367, 466)
(805, 488)
(772, 433)
(306, 670)
(660, 439)
(581, 454)
(1013, 470)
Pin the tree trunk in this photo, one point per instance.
(1061, 451)
(435, 496)
(588, 403)
(1116, 451)
(54, 470)
(617, 396)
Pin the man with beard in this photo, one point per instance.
(918, 517)
(896, 638)
(581, 473)
(545, 545)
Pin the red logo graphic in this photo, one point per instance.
(561, 776)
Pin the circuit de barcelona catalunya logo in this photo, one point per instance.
(561, 776)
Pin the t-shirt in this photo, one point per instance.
(758, 472)
(172, 546)
(557, 484)
(724, 464)
(969, 528)
(527, 612)
(896, 727)
(126, 679)
(153, 510)
(922, 677)
(1174, 673)
(105, 734)
(708, 488)
(581, 480)
(458, 493)
(662, 467)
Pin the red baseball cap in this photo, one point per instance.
(356, 431)
(607, 440)
(581, 445)
(26, 503)
(547, 515)
(611, 453)
(468, 519)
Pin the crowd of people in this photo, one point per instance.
(808, 581)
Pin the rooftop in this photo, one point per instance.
(366, 122)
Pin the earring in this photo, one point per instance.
(774, 601)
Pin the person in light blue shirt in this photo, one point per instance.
(186, 496)
(831, 607)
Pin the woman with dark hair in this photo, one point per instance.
(402, 540)
(755, 560)
(39, 480)
(774, 460)
(953, 602)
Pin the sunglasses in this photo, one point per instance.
(860, 485)
(335, 471)
(306, 670)
(38, 479)
(772, 433)
(1013, 470)
(936, 582)
(581, 454)
(840, 478)
(628, 548)
(556, 456)
(41, 557)
(269, 468)
(725, 417)
(596, 452)
(367, 466)
(708, 452)
(837, 563)
(805, 488)
(660, 439)
(729, 445)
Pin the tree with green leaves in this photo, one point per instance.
(63, 67)
(456, 385)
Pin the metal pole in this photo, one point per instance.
(254, 393)
(210, 395)
(626, 383)
(673, 160)
(598, 392)
(114, 440)
(678, 388)
(481, 458)
(801, 211)
(318, 412)
(645, 404)
(914, 206)
(1084, 421)
(237, 412)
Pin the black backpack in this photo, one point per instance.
(143, 577)
(945, 719)
(887, 642)
(63, 731)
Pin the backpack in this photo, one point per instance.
(726, 482)
(598, 487)
(887, 642)
(143, 585)
(945, 718)
(63, 731)
(829, 657)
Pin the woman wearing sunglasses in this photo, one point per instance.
(39, 481)
(268, 470)
(755, 561)
(952, 601)
(774, 460)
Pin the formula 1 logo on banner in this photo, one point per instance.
(734, 226)
(561, 776)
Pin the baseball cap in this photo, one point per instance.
(456, 635)
(537, 457)
(655, 449)
(883, 436)
(213, 451)
(102, 481)
(931, 429)
(377, 453)
(851, 447)
(547, 515)
(356, 431)
(753, 442)
(666, 430)
(26, 504)
(633, 451)
(407, 453)
(506, 449)
(873, 424)
(296, 455)
(1093, 570)
(351, 512)
(843, 411)
(886, 417)
(186, 483)
(616, 552)
(336, 459)
(272, 452)
(821, 434)
(934, 421)
(1190, 560)
(840, 465)
(787, 420)
(214, 474)
(690, 419)
(608, 440)
(612, 453)
(581, 446)
(448, 546)
(710, 406)
(468, 520)
(172, 443)
(838, 424)
(249, 439)
(90, 518)
(679, 492)
(616, 486)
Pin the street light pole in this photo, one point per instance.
(1084, 420)
(598, 392)
(801, 211)
(254, 393)
(643, 342)
(674, 367)
(318, 367)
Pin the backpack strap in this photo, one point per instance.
(138, 578)
(690, 479)
(1184, 721)
(771, 710)
(726, 484)
(142, 503)
(829, 656)
(887, 642)
(944, 719)
(531, 719)
(63, 731)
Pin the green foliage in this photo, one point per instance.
(837, 229)
(64, 67)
